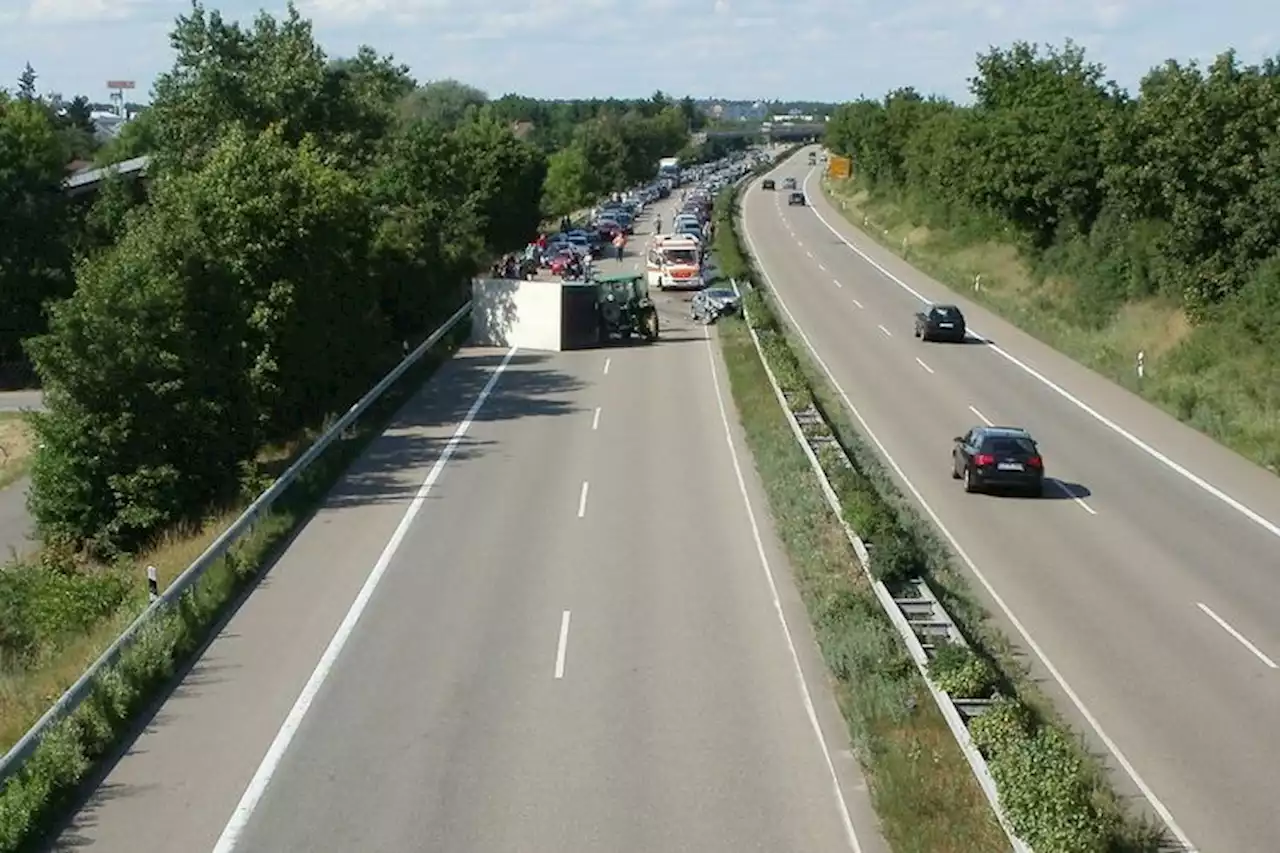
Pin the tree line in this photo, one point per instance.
(304, 220)
(1173, 192)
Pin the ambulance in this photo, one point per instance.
(674, 262)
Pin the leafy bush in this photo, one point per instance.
(1048, 795)
(1004, 724)
(39, 606)
(961, 673)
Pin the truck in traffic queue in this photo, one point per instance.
(669, 168)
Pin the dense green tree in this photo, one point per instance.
(34, 262)
(506, 175)
(447, 103)
(1175, 190)
(569, 183)
(305, 219)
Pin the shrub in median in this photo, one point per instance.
(961, 673)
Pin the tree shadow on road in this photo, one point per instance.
(395, 464)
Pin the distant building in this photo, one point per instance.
(106, 125)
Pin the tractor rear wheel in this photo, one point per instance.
(651, 326)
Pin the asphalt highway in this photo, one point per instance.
(1144, 581)
(15, 523)
(574, 631)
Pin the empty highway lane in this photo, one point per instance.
(567, 639)
(1144, 579)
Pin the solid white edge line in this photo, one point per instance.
(1240, 638)
(1156, 804)
(595, 419)
(920, 362)
(986, 420)
(239, 819)
(1240, 507)
(810, 710)
(562, 646)
(582, 500)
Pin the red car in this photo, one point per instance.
(561, 260)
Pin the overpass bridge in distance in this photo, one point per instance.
(788, 132)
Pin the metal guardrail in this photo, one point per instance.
(18, 754)
(912, 617)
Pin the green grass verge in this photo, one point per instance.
(1057, 796)
(1211, 376)
(33, 801)
(921, 786)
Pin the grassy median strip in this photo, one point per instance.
(921, 786)
(1056, 795)
(36, 598)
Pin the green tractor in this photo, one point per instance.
(624, 307)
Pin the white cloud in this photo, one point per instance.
(826, 49)
(42, 12)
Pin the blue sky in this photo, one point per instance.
(815, 49)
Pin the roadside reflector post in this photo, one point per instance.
(153, 583)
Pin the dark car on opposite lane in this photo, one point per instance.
(796, 198)
(940, 323)
(767, 184)
(993, 457)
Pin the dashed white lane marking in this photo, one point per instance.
(562, 646)
(925, 366)
(595, 419)
(607, 362)
(982, 417)
(582, 500)
(887, 333)
(1240, 638)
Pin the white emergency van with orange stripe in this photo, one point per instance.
(674, 262)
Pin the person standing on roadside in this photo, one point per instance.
(620, 244)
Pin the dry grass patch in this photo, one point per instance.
(15, 447)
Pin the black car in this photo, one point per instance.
(796, 198)
(767, 184)
(940, 323)
(989, 457)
